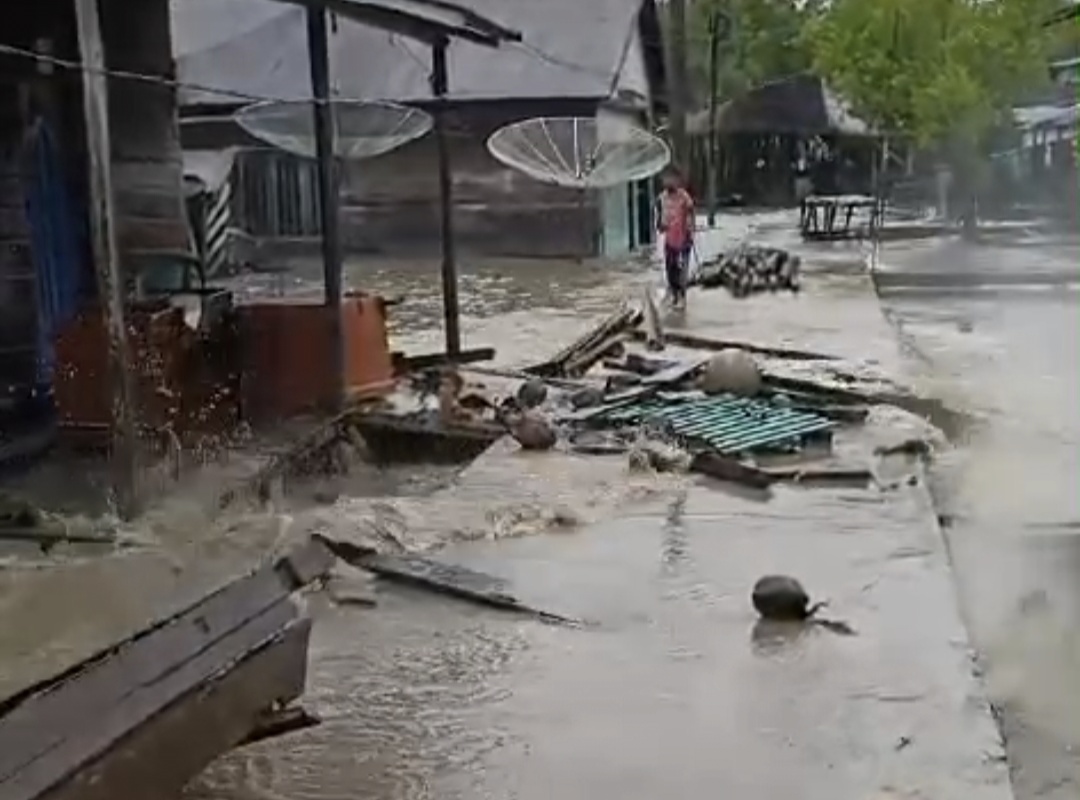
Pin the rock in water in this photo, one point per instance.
(781, 597)
(532, 393)
(533, 432)
(731, 371)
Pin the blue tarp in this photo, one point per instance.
(57, 239)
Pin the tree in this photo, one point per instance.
(942, 73)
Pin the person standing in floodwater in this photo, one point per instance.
(675, 223)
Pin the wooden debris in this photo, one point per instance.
(588, 349)
(522, 375)
(723, 468)
(685, 339)
(421, 437)
(436, 576)
(919, 448)
(49, 536)
(677, 372)
(814, 389)
(176, 695)
(404, 364)
(805, 476)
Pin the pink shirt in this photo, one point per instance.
(676, 213)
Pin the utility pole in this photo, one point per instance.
(710, 143)
(110, 285)
(678, 98)
(719, 31)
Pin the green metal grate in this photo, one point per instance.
(726, 423)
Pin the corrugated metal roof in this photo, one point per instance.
(726, 423)
(573, 48)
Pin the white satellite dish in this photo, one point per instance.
(580, 152)
(363, 129)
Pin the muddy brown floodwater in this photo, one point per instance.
(424, 698)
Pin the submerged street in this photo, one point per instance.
(673, 688)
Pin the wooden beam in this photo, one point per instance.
(106, 258)
(329, 191)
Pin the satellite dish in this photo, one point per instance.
(361, 129)
(580, 152)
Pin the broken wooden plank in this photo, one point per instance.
(437, 576)
(161, 756)
(617, 323)
(583, 361)
(125, 685)
(48, 537)
(522, 375)
(823, 475)
(423, 437)
(686, 339)
(723, 468)
(457, 582)
(815, 389)
(404, 364)
(675, 373)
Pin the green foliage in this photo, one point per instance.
(932, 70)
(765, 40)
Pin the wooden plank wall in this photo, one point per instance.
(391, 203)
(147, 161)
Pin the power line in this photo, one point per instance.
(138, 77)
(172, 83)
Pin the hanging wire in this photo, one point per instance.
(171, 83)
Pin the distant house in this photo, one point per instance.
(576, 55)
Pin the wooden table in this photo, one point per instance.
(831, 216)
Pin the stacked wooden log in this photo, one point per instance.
(751, 270)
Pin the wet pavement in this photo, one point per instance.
(673, 690)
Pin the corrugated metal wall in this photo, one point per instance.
(275, 195)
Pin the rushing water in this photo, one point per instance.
(1006, 348)
(423, 697)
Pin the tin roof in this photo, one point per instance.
(572, 48)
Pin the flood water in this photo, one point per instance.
(1008, 350)
(429, 698)
(426, 698)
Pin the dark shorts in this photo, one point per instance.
(675, 259)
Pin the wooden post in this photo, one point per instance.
(110, 285)
(329, 199)
(451, 310)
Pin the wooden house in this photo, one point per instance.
(47, 278)
(575, 56)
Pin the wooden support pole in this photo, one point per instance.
(329, 199)
(710, 142)
(110, 284)
(451, 309)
